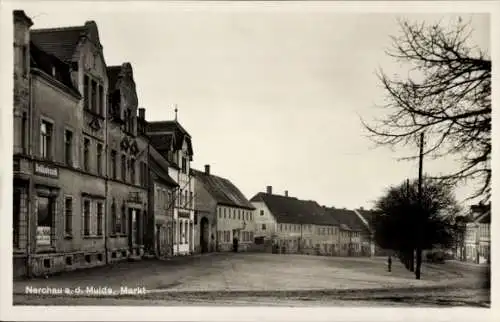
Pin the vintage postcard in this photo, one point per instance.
(247, 160)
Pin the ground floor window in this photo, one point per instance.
(45, 219)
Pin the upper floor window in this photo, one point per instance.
(101, 100)
(99, 159)
(124, 167)
(86, 81)
(129, 120)
(68, 147)
(93, 95)
(262, 212)
(132, 171)
(46, 129)
(86, 154)
(113, 164)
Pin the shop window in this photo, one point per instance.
(16, 211)
(45, 217)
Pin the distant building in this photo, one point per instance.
(368, 243)
(351, 230)
(477, 242)
(223, 214)
(173, 142)
(293, 225)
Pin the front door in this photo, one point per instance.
(204, 234)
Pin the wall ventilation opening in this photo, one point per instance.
(87, 258)
(46, 263)
(69, 260)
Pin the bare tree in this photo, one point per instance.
(447, 94)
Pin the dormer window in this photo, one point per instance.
(184, 165)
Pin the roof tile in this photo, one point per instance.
(223, 190)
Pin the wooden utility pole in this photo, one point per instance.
(420, 231)
(411, 251)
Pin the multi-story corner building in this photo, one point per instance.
(294, 225)
(60, 224)
(172, 141)
(223, 214)
(71, 210)
(159, 224)
(127, 166)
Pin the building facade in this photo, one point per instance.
(159, 238)
(127, 164)
(224, 215)
(74, 205)
(172, 141)
(292, 225)
(352, 230)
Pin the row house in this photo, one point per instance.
(351, 229)
(77, 200)
(127, 163)
(173, 142)
(159, 237)
(293, 225)
(223, 214)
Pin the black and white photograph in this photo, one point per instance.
(248, 156)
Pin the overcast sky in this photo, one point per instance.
(269, 96)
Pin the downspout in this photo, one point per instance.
(30, 185)
(106, 180)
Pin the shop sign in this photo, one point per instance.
(43, 235)
(183, 214)
(46, 170)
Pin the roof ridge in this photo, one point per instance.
(68, 28)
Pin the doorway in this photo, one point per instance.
(204, 234)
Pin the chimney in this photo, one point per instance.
(361, 208)
(207, 169)
(142, 113)
(269, 190)
(286, 193)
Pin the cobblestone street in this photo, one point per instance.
(266, 279)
